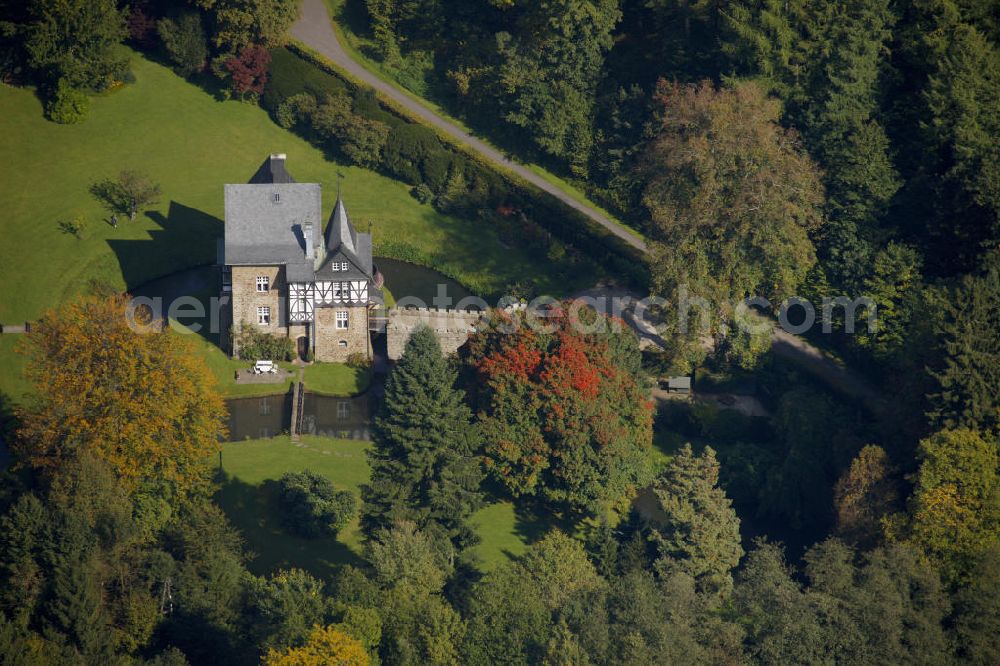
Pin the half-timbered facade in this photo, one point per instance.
(286, 276)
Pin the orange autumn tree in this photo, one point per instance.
(563, 411)
(141, 402)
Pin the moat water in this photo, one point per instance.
(327, 416)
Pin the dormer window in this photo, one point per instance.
(276, 198)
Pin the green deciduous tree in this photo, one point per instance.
(696, 531)
(282, 609)
(128, 193)
(824, 61)
(312, 505)
(76, 41)
(423, 464)
(512, 611)
(185, 42)
(955, 506)
(549, 69)
(731, 197)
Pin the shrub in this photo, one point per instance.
(185, 42)
(359, 139)
(68, 105)
(312, 505)
(358, 360)
(296, 110)
(254, 344)
(407, 149)
(422, 193)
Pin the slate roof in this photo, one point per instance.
(262, 232)
(272, 171)
(344, 243)
(265, 223)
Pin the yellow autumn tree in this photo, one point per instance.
(139, 401)
(326, 647)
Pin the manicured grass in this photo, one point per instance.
(191, 144)
(504, 533)
(336, 379)
(13, 385)
(248, 496)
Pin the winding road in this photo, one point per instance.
(315, 29)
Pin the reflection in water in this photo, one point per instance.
(269, 416)
(342, 418)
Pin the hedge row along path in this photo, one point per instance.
(315, 29)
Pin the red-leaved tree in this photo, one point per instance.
(249, 70)
(564, 414)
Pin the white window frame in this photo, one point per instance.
(263, 283)
(264, 315)
(341, 266)
(343, 410)
(343, 319)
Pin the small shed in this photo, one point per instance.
(678, 384)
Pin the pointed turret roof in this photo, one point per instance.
(340, 232)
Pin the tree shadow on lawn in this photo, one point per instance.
(254, 510)
(187, 237)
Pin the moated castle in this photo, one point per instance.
(287, 277)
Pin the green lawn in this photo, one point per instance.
(13, 385)
(336, 379)
(191, 144)
(249, 499)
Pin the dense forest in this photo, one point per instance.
(769, 148)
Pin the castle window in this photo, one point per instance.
(264, 315)
(342, 344)
(342, 320)
(263, 283)
(343, 410)
(276, 198)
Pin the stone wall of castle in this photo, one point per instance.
(334, 344)
(451, 326)
(246, 299)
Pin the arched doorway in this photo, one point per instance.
(303, 347)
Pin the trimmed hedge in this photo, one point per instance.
(460, 179)
(290, 75)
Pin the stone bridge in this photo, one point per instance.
(452, 327)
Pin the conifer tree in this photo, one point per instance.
(423, 468)
(699, 532)
(969, 375)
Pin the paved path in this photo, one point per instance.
(315, 29)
